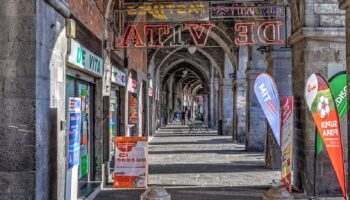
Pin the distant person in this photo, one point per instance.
(189, 116)
(183, 117)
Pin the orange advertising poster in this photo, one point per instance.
(131, 166)
(133, 108)
(321, 103)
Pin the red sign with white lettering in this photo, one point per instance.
(157, 35)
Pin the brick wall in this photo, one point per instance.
(88, 14)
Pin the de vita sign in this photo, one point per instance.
(84, 59)
(166, 35)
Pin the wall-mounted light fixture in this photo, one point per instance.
(262, 49)
(184, 72)
(192, 49)
(232, 75)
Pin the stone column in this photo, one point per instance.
(32, 88)
(240, 92)
(318, 42)
(240, 113)
(216, 103)
(345, 5)
(205, 105)
(212, 103)
(256, 120)
(169, 106)
(227, 112)
(220, 106)
(162, 111)
(227, 98)
(170, 99)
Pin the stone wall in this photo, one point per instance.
(18, 101)
(32, 91)
(311, 56)
(51, 50)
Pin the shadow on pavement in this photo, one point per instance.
(196, 193)
(240, 166)
(227, 152)
(213, 141)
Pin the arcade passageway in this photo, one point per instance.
(201, 167)
(86, 85)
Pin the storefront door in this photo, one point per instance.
(114, 129)
(84, 90)
(150, 133)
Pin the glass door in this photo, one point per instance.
(113, 132)
(84, 92)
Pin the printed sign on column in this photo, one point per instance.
(131, 168)
(287, 141)
(74, 131)
(322, 105)
(266, 92)
(133, 109)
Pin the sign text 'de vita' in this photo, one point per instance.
(154, 35)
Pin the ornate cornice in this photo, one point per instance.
(329, 34)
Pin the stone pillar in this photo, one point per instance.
(318, 42)
(240, 92)
(169, 106)
(220, 106)
(227, 112)
(32, 88)
(240, 112)
(227, 98)
(215, 103)
(212, 103)
(162, 111)
(345, 5)
(256, 120)
(280, 68)
(205, 106)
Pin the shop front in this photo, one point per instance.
(133, 107)
(84, 68)
(116, 121)
(150, 113)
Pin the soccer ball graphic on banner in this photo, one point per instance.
(323, 106)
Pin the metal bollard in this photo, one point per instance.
(278, 192)
(155, 193)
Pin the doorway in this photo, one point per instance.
(83, 90)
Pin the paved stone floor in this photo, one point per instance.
(201, 167)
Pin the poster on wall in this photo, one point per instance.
(266, 92)
(338, 86)
(321, 103)
(131, 168)
(74, 131)
(133, 107)
(287, 141)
